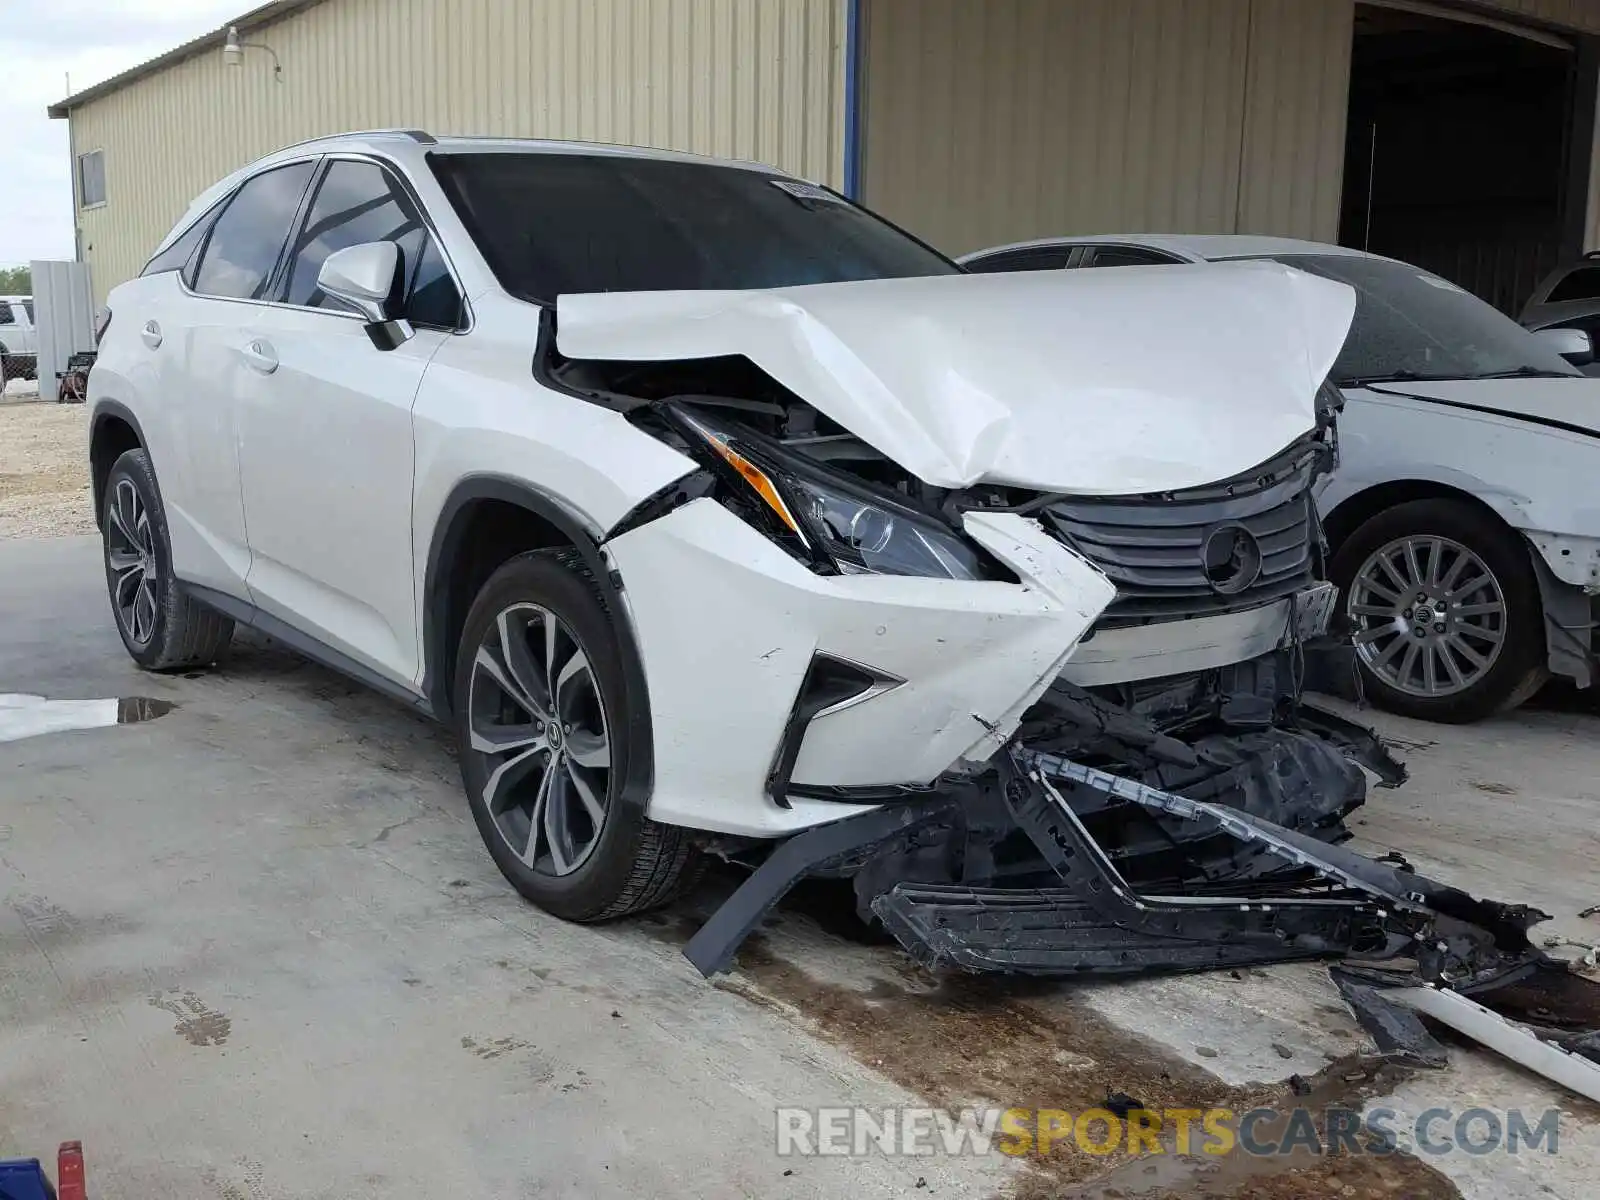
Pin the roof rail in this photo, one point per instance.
(416, 135)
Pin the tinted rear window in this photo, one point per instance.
(554, 224)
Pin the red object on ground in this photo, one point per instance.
(69, 1172)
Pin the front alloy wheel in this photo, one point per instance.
(548, 741)
(1430, 615)
(536, 716)
(1447, 617)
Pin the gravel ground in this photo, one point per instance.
(44, 471)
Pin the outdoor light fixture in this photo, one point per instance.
(233, 52)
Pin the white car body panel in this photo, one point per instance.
(969, 378)
(1136, 652)
(482, 413)
(189, 388)
(727, 626)
(1540, 479)
(325, 461)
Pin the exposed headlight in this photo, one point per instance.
(853, 528)
(863, 535)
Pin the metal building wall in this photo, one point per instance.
(726, 77)
(1296, 100)
(1013, 119)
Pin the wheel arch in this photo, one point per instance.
(1360, 507)
(113, 431)
(486, 520)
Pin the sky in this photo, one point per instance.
(42, 43)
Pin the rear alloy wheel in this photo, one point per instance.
(542, 723)
(1446, 612)
(161, 626)
(131, 562)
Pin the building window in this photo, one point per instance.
(91, 179)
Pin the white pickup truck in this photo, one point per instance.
(18, 338)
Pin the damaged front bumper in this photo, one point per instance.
(1047, 865)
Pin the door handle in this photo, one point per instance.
(151, 333)
(259, 356)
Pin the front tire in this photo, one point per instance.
(1448, 621)
(162, 628)
(542, 726)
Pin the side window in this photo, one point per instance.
(1126, 256)
(176, 256)
(242, 250)
(361, 202)
(1581, 284)
(27, 307)
(91, 178)
(1034, 258)
(6, 315)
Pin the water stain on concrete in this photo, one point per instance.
(23, 715)
(198, 1024)
(132, 710)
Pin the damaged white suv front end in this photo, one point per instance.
(922, 501)
(720, 517)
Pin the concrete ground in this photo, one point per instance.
(252, 949)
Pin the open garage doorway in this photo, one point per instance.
(1466, 151)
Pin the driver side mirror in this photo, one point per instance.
(1574, 345)
(364, 277)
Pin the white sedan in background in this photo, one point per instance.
(1464, 518)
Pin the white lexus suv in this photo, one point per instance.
(715, 512)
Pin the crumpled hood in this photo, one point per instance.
(1098, 382)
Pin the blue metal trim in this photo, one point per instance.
(852, 98)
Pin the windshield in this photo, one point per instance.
(1413, 325)
(552, 224)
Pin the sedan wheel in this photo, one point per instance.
(1429, 614)
(537, 719)
(1445, 609)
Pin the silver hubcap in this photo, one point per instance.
(131, 562)
(1429, 614)
(537, 722)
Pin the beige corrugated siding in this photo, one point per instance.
(1297, 96)
(733, 78)
(1013, 119)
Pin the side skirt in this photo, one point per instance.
(243, 612)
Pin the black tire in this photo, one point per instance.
(634, 863)
(1520, 669)
(175, 631)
